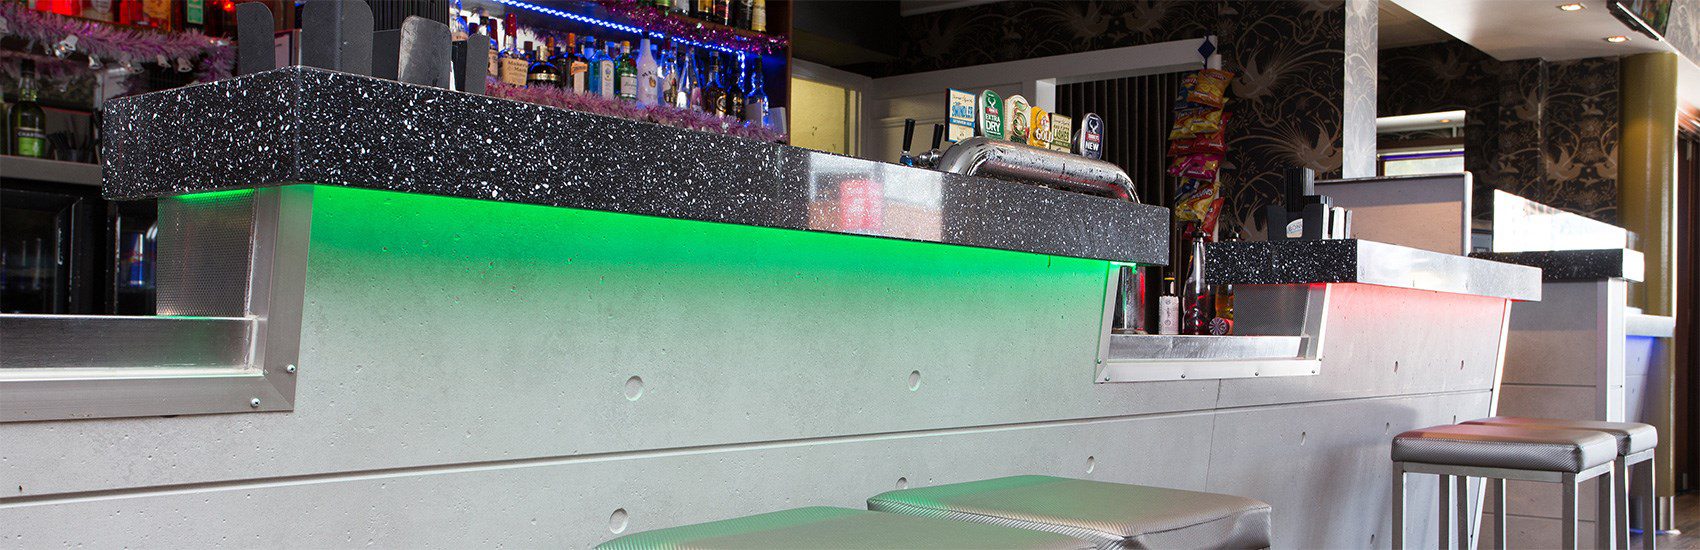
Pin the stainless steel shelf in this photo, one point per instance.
(26, 168)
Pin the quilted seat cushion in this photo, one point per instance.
(1112, 515)
(841, 529)
(1543, 449)
(1632, 437)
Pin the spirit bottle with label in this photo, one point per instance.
(626, 73)
(755, 103)
(29, 122)
(648, 75)
(735, 90)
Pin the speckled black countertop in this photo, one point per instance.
(1577, 265)
(1369, 262)
(304, 125)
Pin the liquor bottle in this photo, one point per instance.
(648, 75)
(606, 85)
(1196, 310)
(687, 95)
(758, 16)
(713, 93)
(722, 12)
(681, 7)
(742, 12)
(669, 69)
(664, 5)
(542, 72)
(704, 9)
(578, 67)
(626, 72)
(29, 122)
(490, 65)
(1168, 309)
(735, 90)
(562, 59)
(755, 102)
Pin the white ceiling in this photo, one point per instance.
(1523, 29)
(1399, 28)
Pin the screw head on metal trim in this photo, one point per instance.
(255, 402)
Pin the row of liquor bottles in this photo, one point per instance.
(714, 82)
(743, 14)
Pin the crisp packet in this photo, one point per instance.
(1210, 87)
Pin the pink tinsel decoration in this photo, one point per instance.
(654, 19)
(113, 44)
(659, 114)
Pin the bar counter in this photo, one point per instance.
(480, 323)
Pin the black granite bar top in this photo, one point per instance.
(304, 125)
(1369, 262)
(1577, 265)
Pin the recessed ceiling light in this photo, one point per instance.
(1619, 39)
(1573, 6)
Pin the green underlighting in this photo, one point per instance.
(619, 289)
(214, 195)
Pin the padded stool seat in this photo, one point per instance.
(839, 528)
(1632, 437)
(1112, 515)
(1544, 449)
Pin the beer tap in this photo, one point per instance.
(908, 136)
(930, 159)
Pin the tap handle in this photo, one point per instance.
(938, 135)
(908, 133)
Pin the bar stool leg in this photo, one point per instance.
(1501, 524)
(1605, 518)
(1620, 503)
(1568, 540)
(1445, 517)
(1398, 506)
(1463, 511)
(1649, 507)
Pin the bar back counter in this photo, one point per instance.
(407, 317)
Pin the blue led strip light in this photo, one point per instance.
(612, 25)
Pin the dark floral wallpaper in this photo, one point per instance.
(1289, 56)
(1545, 130)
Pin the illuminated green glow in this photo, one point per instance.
(214, 195)
(432, 277)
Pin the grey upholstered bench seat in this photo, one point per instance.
(1111, 515)
(1550, 450)
(840, 529)
(1632, 437)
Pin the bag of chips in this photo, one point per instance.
(1209, 87)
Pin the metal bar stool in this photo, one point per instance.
(1635, 444)
(1551, 455)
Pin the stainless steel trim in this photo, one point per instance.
(1206, 369)
(82, 367)
(1158, 346)
(1011, 161)
(1284, 334)
(58, 342)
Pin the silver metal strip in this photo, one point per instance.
(66, 367)
(1205, 369)
(1285, 338)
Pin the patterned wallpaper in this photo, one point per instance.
(1544, 130)
(1358, 130)
(1289, 56)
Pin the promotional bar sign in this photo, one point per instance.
(1039, 128)
(991, 115)
(961, 116)
(1062, 132)
(1091, 139)
(1015, 113)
